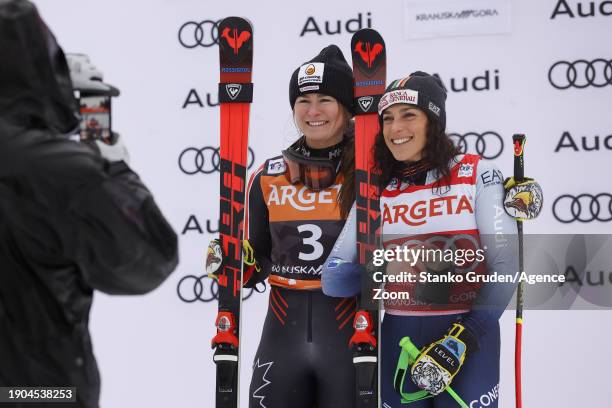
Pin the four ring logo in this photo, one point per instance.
(205, 33)
(205, 160)
(581, 73)
(583, 208)
(192, 288)
(489, 145)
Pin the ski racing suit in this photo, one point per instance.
(303, 359)
(468, 207)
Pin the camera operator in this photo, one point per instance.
(72, 218)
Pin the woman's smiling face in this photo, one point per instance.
(405, 131)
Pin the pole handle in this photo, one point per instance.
(519, 140)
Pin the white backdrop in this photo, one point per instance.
(154, 350)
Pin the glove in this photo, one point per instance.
(438, 363)
(112, 149)
(341, 278)
(215, 258)
(86, 78)
(523, 201)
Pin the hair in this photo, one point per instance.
(438, 151)
(346, 195)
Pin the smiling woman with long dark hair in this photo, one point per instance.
(433, 199)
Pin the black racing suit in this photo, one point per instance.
(303, 359)
(70, 222)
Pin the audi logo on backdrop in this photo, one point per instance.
(193, 288)
(489, 145)
(199, 33)
(205, 160)
(581, 73)
(583, 208)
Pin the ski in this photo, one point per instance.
(369, 67)
(235, 96)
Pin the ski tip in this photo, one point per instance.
(366, 34)
(368, 52)
(235, 36)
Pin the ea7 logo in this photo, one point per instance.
(233, 90)
(434, 108)
(365, 102)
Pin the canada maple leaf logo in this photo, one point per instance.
(265, 382)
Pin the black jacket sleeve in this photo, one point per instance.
(77, 208)
(124, 245)
(258, 229)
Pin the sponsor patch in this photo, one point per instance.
(466, 170)
(309, 88)
(449, 18)
(275, 166)
(398, 96)
(311, 73)
(434, 108)
(393, 184)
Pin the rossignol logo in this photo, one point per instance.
(302, 199)
(193, 99)
(235, 38)
(233, 90)
(563, 8)
(484, 82)
(586, 144)
(457, 14)
(365, 102)
(335, 27)
(421, 211)
(368, 53)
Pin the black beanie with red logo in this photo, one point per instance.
(328, 73)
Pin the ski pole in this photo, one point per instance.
(519, 175)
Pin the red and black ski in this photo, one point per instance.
(235, 96)
(369, 67)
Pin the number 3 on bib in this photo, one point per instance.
(312, 241)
